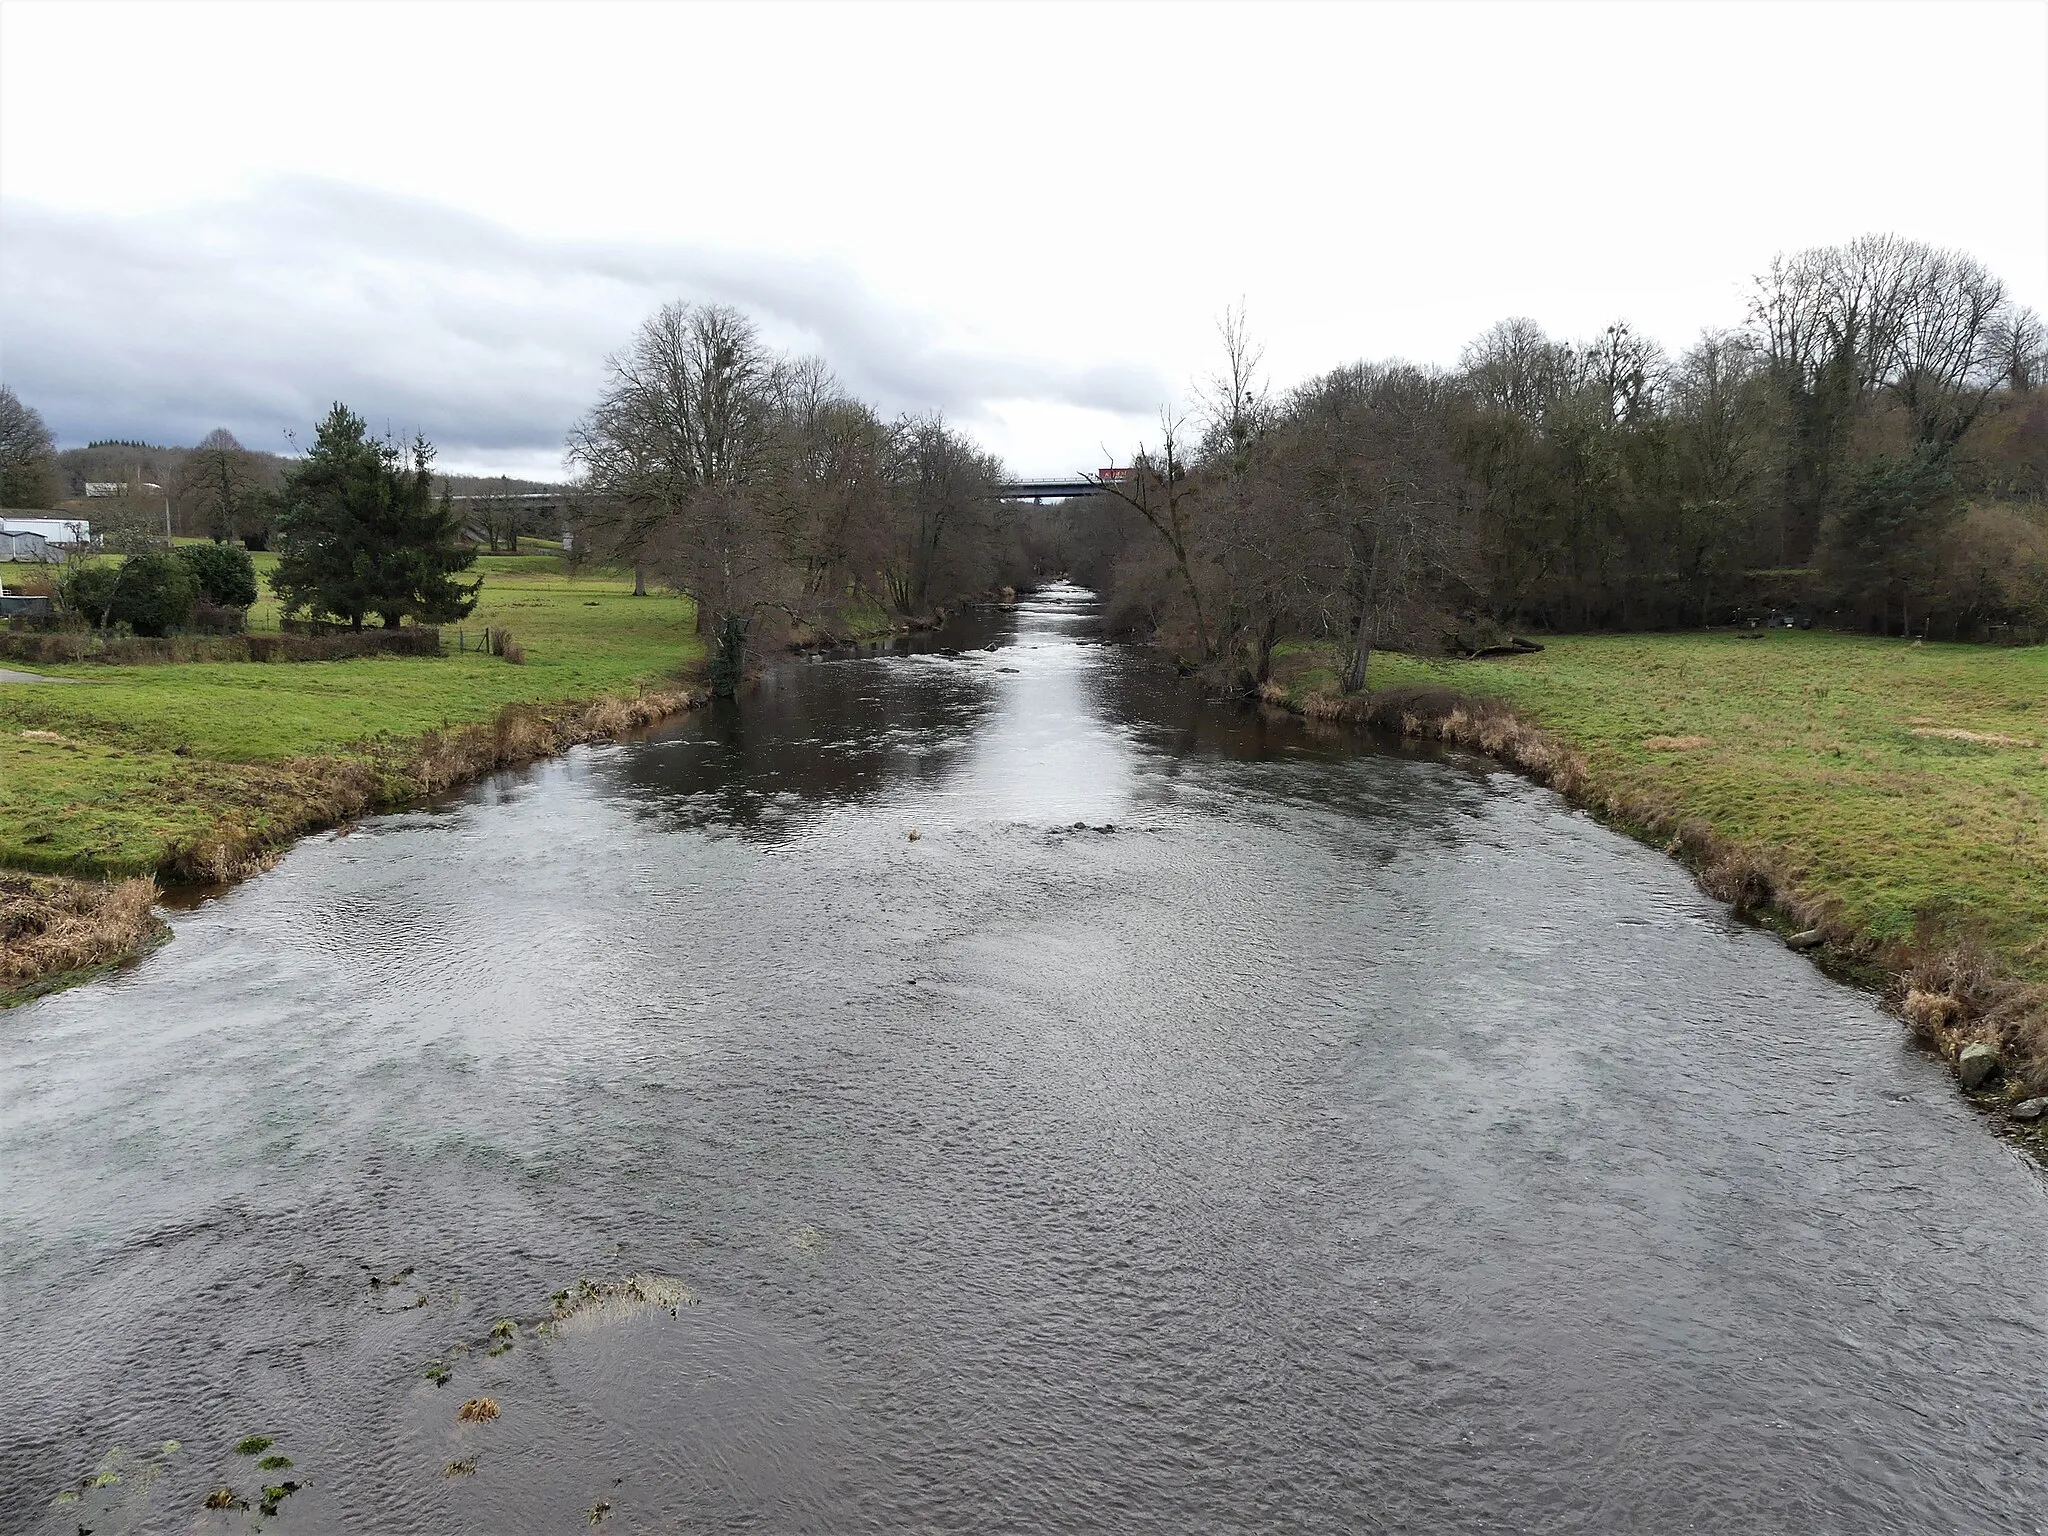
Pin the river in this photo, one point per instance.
(1197, 1124)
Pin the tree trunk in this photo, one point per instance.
(1361, 654)
(639, 580)
(1362, 638)
(1267, 638)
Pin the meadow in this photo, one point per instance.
(113, 771)
(1903, 786)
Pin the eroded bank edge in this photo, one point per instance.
(1961, 1003)
(60, 930)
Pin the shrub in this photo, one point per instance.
(211, 619)
(151, 593)
(225, 575)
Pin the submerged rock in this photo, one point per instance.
(1976, 1066)
(2029, 1109)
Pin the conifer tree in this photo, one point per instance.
(362, 533)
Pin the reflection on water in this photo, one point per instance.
(1198, 1125)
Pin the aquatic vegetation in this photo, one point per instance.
(225, 1497)
(253, 1445)
(438, 1373)
(463, 1468)
(275, 1495)
(598, 1511)
(504, 1328)
(477, 1410)
(274, 1462)
(133, 1475)
(664, 1291)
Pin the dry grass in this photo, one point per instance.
(1484, 725)
(1675, 743)
(1977, 738)
(50, 925)
(524, 733)
(477, 1410)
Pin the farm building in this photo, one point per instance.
(38, 539)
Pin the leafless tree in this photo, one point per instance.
(1155, 487)
(218, 480)
(944, 488)
(28, 460)
(1949, 342)
(683, 411)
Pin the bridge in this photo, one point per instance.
(1048, 490)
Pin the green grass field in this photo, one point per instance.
(1899, 779)
(147, 756)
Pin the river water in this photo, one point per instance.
(1198, 1125)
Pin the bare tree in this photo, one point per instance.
(683, 411)
(218, 480)
(945, 486)
(28, 457)
(1235, 401)
(1155, 488)
(1949, 344)
(1379, 463)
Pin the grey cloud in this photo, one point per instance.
(256, 313)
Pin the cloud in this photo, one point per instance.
(257, 312)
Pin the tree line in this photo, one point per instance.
(754, 482)
(1869, 450)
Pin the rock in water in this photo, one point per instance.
(2029, 1109)
(1976, 1066)
(1810, 939)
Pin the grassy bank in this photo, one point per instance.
(123, 774)
(1893, 796)
(122, 770)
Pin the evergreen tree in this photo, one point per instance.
(362, 533)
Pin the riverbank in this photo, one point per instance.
(205, 772)
(1884, 804)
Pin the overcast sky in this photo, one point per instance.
(1026, 217)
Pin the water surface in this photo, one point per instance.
(1197, 1125)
